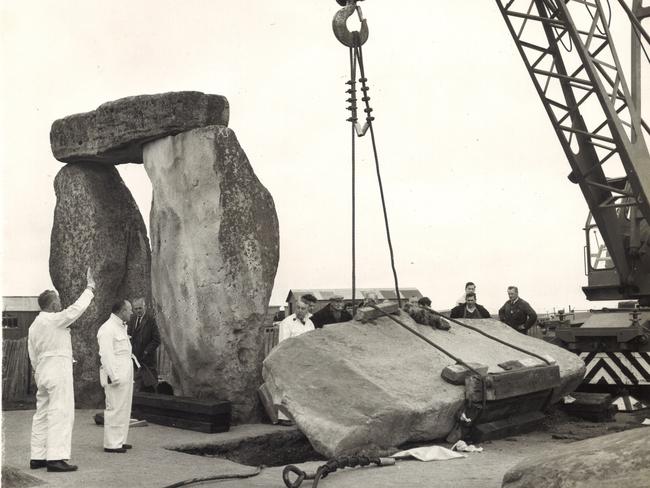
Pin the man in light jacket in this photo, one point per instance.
(50, 353)
(116, 376)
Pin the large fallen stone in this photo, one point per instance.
(354, 387)
(620, 460)
(215, 244)
(96, 223)
(115, 132)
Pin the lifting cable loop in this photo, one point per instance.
(425, 339)
(354, 40)
(501, 341)
(481, 377)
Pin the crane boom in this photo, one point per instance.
(568, 50)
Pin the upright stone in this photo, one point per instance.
(214, 234)
(96, 223)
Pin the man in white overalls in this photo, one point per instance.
(50, 352)
(116, 376)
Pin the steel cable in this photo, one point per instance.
(501, 341)
(369, 120)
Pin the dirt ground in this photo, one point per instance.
(156, 461)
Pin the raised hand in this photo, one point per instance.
(90, 280)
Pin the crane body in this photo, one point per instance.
(568, 49)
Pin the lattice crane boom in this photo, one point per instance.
(568, 50)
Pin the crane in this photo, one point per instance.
(568, 49)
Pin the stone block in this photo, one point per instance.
(215, 249)
(351, 387)
(620, 460)
(96, 223)
(116, 131)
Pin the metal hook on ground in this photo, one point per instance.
(340, 27)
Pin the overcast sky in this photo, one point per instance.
(474, 176)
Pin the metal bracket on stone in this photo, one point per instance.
(366, 314)
(513, 383)
(456, 373)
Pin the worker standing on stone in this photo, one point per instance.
(145, 339)
(470, 309)
(332, 313)
(469, 288)
(50, 354)
(517, 312)
(116, 376)
(296, 323)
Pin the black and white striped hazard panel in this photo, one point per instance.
(617, 368)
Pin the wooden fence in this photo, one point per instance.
(16, 370)
(270, 338)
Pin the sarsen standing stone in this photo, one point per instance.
(96, 223)
(214, 234)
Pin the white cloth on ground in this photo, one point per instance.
(116, 365)
(50, 353)
(429, 453)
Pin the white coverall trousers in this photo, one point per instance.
(118, 404)
(54, 418)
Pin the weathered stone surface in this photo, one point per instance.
(215, 244)
(115, 132)
(96, 223)
(620, 460)
(13, 477)
(356, 386)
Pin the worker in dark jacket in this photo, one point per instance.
(517, 312)
(470, 309)
(332, 313)
(145, 339)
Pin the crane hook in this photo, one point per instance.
(341, 31)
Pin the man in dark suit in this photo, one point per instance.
(470, 309)
(332, 313)
(145, 339)
(517, 312)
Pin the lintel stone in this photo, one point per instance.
(115, 132)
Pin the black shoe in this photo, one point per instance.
(127, 446)
(119, 449)
(37, 463)
(60, 466)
